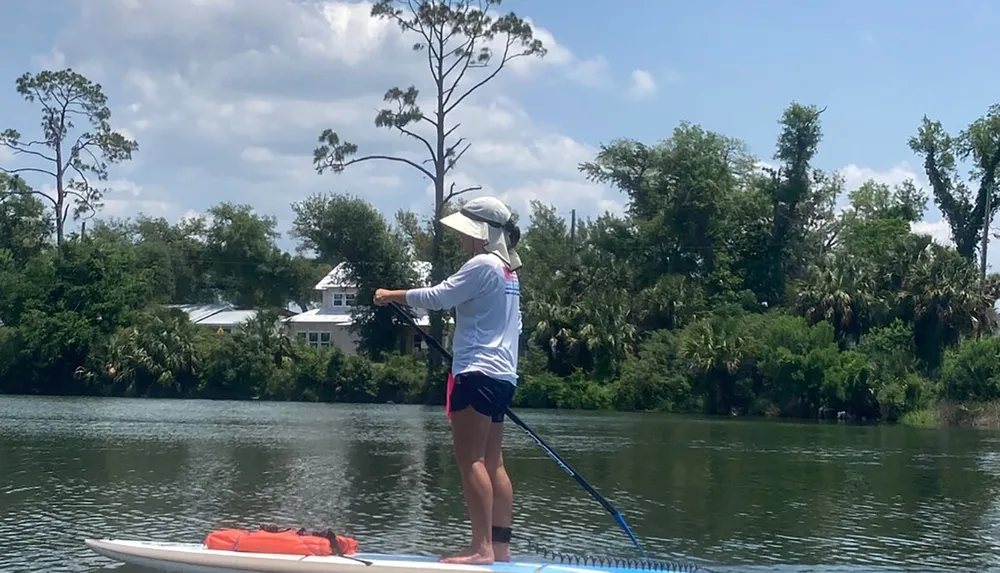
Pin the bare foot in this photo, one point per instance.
(501, 552)
(470, 556)
(463, 553)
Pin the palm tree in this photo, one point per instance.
(585, 318)
(264, 333)
(159, 350)
(841, 291)
(714, 351)
(943, 297)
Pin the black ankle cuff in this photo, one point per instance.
(501, 534)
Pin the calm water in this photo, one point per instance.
(729, 494)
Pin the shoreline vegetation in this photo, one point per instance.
(731, 284)
(984, 415)
(981, 415)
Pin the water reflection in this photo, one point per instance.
(731, 492)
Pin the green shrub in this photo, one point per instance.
(652, 380)
(576, 391)
(354, 380)
(847, 387)
(924, 418)
(301, 377)
(234, 371)
(400, 378)
(792, 361)
(579, 392)
(538, 391)
(971, 371)
(898, 395)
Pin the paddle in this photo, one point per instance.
(538, 439)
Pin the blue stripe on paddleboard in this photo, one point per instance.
(508, 567)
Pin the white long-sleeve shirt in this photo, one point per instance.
(487, 302)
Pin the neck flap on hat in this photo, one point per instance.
(496, 241)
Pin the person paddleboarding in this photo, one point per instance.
(485, 294)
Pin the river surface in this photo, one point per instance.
(730, 495)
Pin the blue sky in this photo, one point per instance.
(226, 97)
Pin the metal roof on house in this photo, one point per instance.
(199, 312)
(228, 318)
(338, 277)
(215, 314)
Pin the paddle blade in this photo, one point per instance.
(447, 395)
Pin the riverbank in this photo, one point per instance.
(971, 414)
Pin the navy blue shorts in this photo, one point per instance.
(488, 396)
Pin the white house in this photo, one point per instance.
(329, 325)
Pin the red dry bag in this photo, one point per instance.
(286, 542)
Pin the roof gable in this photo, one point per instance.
(339, 278)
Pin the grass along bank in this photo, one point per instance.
(951, 414)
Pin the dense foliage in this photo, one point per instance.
(728, 286)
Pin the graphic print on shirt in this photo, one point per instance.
(512, 286)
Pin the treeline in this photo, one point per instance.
(729, 286)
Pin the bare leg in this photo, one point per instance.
(503, 491)
(470, 432)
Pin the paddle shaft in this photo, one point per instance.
(538, 439)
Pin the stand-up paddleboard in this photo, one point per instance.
(196, 558)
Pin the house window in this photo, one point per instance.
(418, 342)
(349, 299)
(338, 299)
(317, 339)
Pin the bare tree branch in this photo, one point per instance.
(431, 54)
(13, 191)
(454, 160)
(452, 194)
(15, 147)
(27, 170)
(452, 130)
(468, 53)
(86, 184)
(98, 166)
(421, 139)
(409, 162)
(484, 81)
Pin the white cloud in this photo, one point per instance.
(594, 72)
(126, 208)
(643, 85)
(855, 175)
(123, 186)
(191, 215)
(547, 153)
(581, 195)
(937, 230)
(227, 98)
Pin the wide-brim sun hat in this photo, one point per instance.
(486, 218)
